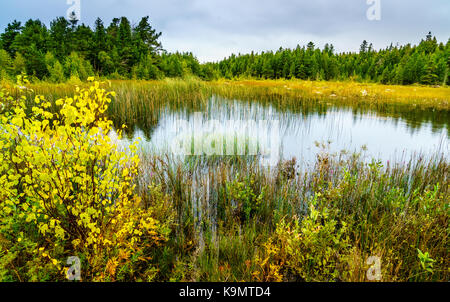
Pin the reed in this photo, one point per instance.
(229, 213)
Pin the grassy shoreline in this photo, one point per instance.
(427, 96)
(141, 103)
(437, 97)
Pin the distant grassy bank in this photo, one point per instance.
(349, 93)
(428, 96)
(139, 103)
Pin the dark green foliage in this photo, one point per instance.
(67, 49)
(123, 50)
(7, 38)
(146, 69)
(428, 63)
(5, 63)
(59, 41)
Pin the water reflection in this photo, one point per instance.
(388, 132)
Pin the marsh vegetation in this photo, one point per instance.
(71, 188)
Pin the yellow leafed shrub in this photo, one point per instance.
(65, 191)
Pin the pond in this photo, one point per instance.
(233, 127)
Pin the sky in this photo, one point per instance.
(214, 29)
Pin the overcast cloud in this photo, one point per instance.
(213, 29)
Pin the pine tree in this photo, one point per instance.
(363, 48)
(100, 44)
(429, 76)
(12, 30)
(146, 39)
(60, 38)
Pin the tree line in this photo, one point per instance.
(67, 50)
(426, 63)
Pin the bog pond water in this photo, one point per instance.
(233, 127)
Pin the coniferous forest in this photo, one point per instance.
(122, 50)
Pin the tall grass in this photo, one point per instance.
(141, 103)
(228, 213)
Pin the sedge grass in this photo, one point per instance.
(391, 210)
